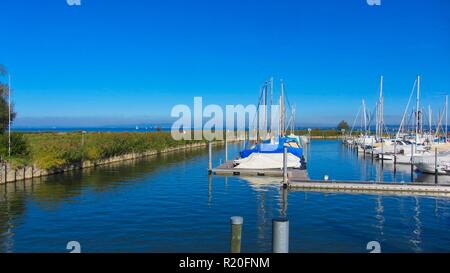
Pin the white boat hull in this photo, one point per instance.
(267, 161)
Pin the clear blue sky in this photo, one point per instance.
(128, 60)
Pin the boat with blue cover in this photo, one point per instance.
(268, 152)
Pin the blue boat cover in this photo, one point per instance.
(273, 148)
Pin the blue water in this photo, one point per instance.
(169, 204)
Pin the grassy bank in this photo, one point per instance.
(53, 150)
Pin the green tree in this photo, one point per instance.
(343, 125)
(4, 107)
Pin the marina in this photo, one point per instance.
(133, 199)
(222, 127)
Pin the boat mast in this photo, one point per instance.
(382, 107)
(446, 118)
(271, 103)
(282, 108)
(417, 109)
(402, 123)
(379, 126)
(257, 115)
(364, 116)
(430, 119)
(266, 91)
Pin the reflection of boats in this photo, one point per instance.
(260, 183)
(431, 179)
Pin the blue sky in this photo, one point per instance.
(128, 61)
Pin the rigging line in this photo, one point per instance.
(354, 121)
(371, 115)
(407, 107)
(257, 108)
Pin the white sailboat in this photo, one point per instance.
(268, 151)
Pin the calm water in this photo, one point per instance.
(168, 204)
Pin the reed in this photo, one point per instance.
(53, 150)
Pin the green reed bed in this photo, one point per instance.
(52, 150)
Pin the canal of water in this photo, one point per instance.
(169, 204)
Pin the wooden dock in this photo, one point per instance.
(227, 168)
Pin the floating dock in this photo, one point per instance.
(372, 187)
(227, 168)
(298, 179)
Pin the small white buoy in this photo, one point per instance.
(325, 178)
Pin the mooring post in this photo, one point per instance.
(412, 165)
(280, 235)
(236, 233)
(372, 150)
(285, 155)
(382, 153)
(395, 156)
(209, 157)
(435, 166)
(226, 146)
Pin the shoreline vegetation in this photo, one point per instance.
(40, 154)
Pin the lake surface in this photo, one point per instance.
(169, 204)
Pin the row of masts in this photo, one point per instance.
(265, 115)
(418, 129)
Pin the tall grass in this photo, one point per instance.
(54, 150)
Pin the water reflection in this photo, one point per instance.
(430, 179)
(262, 183)
(417, 232)
(52, 192)
(379, 216)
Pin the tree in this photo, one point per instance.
(4, 107)
(343, 125)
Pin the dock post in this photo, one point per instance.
(226, 146)
(412, 165)
(280, 235)
(435, 166)
(209, 157)
(395, 156)
(236, 233)
(382, 153)
(372, 150)
(285, 155)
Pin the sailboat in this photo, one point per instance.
(268, 150)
